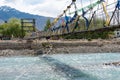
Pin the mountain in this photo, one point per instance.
(8, 12)
(1, 21)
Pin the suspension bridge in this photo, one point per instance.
(97, 16)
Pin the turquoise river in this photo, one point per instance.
(61, 67)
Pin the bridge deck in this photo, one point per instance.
(109, 28)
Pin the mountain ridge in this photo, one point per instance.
(7, 12)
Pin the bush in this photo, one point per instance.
(89, 35)
(12, 28)
(89, 39)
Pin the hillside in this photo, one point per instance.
(8, 12)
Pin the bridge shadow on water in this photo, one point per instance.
(67, 71)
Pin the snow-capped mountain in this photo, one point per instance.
(8, 12)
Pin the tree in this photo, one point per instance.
(47, 26)
(12, 28)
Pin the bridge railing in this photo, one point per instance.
(97, 22)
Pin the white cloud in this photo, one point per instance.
(42, 7)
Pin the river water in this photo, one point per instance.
(61, 67)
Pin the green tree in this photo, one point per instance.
(12, 28)
(48, 23)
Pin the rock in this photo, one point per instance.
(113, 64)
(39, 52)
(116, 63)
(8, 52)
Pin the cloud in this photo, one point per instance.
(40, 7)
(43, 7)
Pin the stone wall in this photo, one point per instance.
(18, 46)
(97, 46)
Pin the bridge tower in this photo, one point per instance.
(28, 25)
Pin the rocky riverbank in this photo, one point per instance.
(84, 46)
(9, 53)
(17, 48)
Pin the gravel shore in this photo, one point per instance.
(16, 48)
(84, 46)
(9, 53)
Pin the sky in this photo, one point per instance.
(50, 8)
